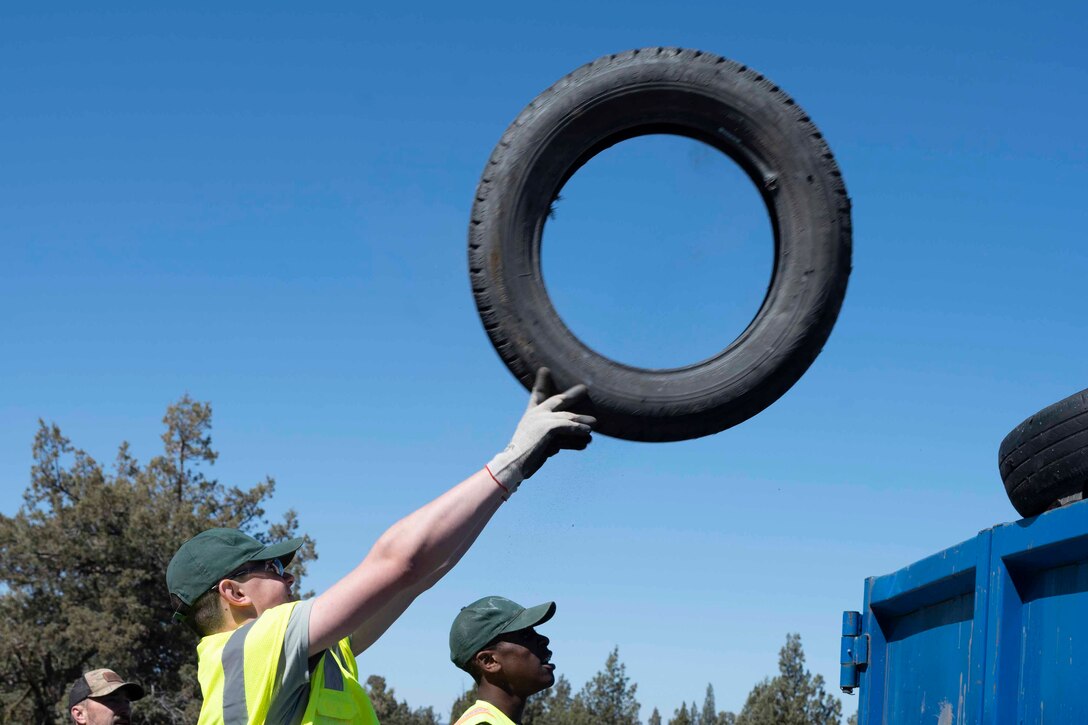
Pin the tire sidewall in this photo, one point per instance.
(739, 112)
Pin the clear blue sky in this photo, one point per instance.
(266, 208)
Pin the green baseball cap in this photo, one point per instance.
(213, 554)
(487, 618)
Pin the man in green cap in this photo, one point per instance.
(266, 659)
(494, 640)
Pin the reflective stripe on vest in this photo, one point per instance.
(335, 695)
(334, 678)
(472, 715)
(483, 712)
(235, 711)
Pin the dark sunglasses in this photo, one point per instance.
(273, 566)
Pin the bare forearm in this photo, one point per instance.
(426, 539)
(373, 628)
(408, 558)
(417, 550)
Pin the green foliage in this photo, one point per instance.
(682, 716)
(794, 697)
(538, 706)
(551, 707)
(392, 712)
(462, 703)
(707, 715)
(83, 566)
(554, 706)
(710, 715)
(609, 697)
(852, 720)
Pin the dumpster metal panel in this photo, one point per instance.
(991, 631)
(926, 624)
(1039, 575)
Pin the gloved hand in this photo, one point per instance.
(545, 429)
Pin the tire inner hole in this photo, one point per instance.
(658, 252)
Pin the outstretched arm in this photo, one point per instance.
(419, 549)
(373, 628)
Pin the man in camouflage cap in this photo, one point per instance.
(102, 697)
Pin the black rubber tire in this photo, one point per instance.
(1045, 458)
(707, 98)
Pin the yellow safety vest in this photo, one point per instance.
(483, 712)
(336, 696)
(259, 674)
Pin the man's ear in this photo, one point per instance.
(233, 593)
(78, 713)
(485, 660)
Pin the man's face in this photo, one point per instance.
(266, 586)
(526, 661)
(111, 709)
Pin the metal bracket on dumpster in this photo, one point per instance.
(854, 655)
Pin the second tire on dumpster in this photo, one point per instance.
(1045, 458)
(704, 97)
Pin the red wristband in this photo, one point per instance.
(498, 483)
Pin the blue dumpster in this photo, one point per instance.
(993, 630)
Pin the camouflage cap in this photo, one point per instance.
(99, 683)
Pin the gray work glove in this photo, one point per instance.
(545, 429)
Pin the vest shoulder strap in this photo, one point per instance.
(477, 716)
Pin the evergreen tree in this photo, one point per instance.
(710, 714)
(655, 718)
(536, 709)
(463, 702)
(852, 720)
(83, 568)
(608, 698)
(390, 711)
(554, 706)
(681, 716)
(794, 697)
